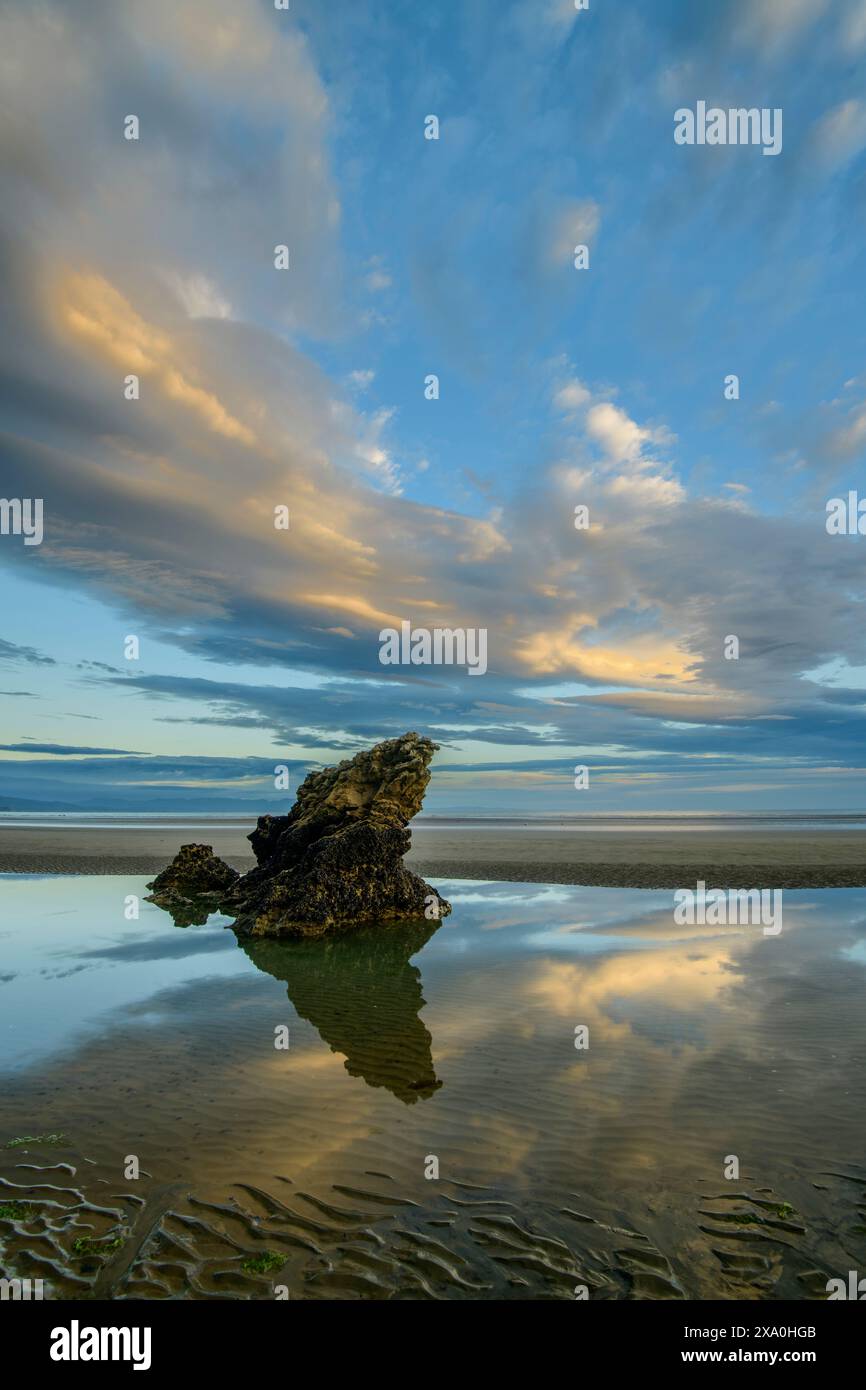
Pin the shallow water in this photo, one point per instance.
(558, 1167)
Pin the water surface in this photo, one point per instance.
(453, 1045)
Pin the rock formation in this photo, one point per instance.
(336, 860)
(193, 885)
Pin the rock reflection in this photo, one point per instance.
(364, 998)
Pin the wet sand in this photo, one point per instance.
(664, 858)
(307, 1167)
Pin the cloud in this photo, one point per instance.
(374, 456)
(776, 24)
(64, 749)
(646, 491)
(840, 134)
(621, 439)
(625, 445)
(640, 663)
(95, 312)
(156, 257)
(559, 14)
(231, 159)
(571, 396)
(13, 653)
(377, 280)
(573, 223)
(853, 27)
(847, 440)
(199, 296)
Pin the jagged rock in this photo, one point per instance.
(193, 885)
(337, 858)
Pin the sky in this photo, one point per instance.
(307, 388)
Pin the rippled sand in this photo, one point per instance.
(304, 1170)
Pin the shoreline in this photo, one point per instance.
(668, 858)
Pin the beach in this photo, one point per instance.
(564, 1155)
(574, 1057)
(613, 856)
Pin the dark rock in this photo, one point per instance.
(193, 885)
(336, 860)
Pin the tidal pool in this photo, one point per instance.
(309, 1170)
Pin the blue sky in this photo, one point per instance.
(601, 387)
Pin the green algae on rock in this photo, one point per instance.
(195, 882)
(336, 859)
(265, 1263)
(52, 1140)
